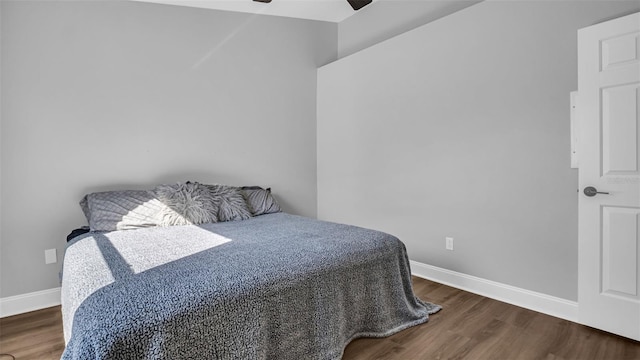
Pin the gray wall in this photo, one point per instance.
(461, 128)
(102, 95)
(385, 19)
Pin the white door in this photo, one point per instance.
(609, 224)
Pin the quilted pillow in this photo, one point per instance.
(231, 203)
(186, 204)
(121, 210)
(259, 200)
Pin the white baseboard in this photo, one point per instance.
(14, 305)
(528, 299)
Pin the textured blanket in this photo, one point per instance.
(275, 286)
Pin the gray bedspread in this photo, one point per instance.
(275, 286)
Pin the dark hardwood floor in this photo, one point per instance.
(468, 327)
(474, 327)
(34, 335)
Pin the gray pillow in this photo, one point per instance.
(121, 210)
(259, 200)
(231, 203)
(186, 204)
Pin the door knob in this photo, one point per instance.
(591, 191)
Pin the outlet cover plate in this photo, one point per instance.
(449, 243)
(50, 256)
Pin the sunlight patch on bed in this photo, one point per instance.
(76, 285)
(120, 255)
(143, 254)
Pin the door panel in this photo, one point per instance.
(609, 147)
(620, 130)
(619, 50)
(620, 252)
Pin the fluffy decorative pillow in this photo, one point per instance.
(121, 210)
(186, 204)
(231, 203)
(259, 200)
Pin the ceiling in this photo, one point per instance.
(323, 10)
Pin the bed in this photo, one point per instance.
(274, 286)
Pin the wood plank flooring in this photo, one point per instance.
(474, 327)
(35, 335)
(469, 327)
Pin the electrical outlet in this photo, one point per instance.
(50, 256)
(449, 243)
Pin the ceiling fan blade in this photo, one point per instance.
(359, 4)
(263, 1)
